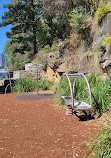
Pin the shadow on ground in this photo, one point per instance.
(84, 117)
(35, 96)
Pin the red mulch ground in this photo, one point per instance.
(36, 129)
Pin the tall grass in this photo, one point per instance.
(101, 147)
(100, 88)
(28, 85)
(24, 85)
(44, 84)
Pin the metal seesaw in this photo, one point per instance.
(73, 104)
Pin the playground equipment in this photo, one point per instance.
(5, 80)
(71, 103)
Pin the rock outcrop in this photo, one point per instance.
(96, 60)
(99, 32)
(86, 63)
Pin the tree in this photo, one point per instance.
(16, 61)
(24, 17)
(56, 14)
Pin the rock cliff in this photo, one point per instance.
(99, 32)
(97, 59)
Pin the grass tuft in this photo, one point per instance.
(24, 85)
(44, 84)
(101, 147)
(28, 85)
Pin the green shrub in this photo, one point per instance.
(100, 88)
(51, 48)
(28, 85)
(78, 20)
(24, 85)
(54, 46)
(101, 147)
(95, 2)
(107, 40)
(44, 84)
(41, 58)
(47, 48)
(102, 11)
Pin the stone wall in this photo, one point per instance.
(29, 73)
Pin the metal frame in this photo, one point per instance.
(74, 76)
(5, 70)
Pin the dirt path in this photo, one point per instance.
(36, 129)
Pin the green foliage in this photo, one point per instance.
(16, 61)
(24, 85)
(95, 2)
(100, 88)
(101, 147)
(52, 48)
(102, 11)
(24, 17)
(28, 85)
(101, 98)
(43, 54)
(55, 12)
(96, 50)
(44, 84)
(78, 20)
(107, 40)
(41, 58)
(47, 48)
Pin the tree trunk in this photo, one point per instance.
(34, 29)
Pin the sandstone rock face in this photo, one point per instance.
(85, 63)
(72, 63)
(52, 75)
(54, 59)
(99, 32)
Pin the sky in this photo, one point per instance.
(3, 30)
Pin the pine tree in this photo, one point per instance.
(24, 17)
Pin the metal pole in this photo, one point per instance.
(37, 81)
(10, 81)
